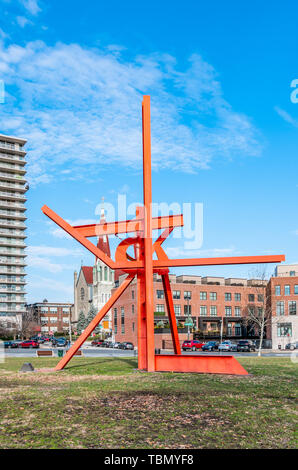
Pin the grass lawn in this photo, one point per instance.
(105, 403)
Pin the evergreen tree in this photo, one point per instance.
(92, 314)
(81, 323)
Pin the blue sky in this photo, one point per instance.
(224, 129)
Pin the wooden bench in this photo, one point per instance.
(44, 352)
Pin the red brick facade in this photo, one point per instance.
(211, 300)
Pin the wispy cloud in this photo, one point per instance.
(52, 251)
(51, 285)
(59, 233)
(22, 21)
(286, 116)
(31, 6)
(77, 105)
(178, 252)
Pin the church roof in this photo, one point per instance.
(88, 274)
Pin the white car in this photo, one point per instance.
(227, 346)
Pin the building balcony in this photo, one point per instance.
(12, 177)
(12, 196)
(14, 186)
(12, 223)
(11, 149)
(4, 204)
(13, 233)
(18, 215)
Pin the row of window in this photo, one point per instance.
(280, 307)
(287, 289)
(213, 310)
(212, 296)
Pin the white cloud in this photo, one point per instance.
(286, 116)
(22, 21)
(50, 284)
(83, 107)
(180, 252)
(46, 264)
(31, 6)
(52, 251)
(59, 233)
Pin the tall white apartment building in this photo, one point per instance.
(12, 230)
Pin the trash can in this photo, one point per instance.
(279, 346)
(60, 352)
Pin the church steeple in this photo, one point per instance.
(103, 241)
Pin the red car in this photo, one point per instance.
(96, 343)
(192, 345)
(29, 344)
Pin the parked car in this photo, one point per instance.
(97, 343)
(292, 346)
(210, 346)
(227, 346)
(29, 344)
(117, 344)
(192, 345)
(59, 342)
(126, 345)
(105, 344)
(246, 345)
(8, 344)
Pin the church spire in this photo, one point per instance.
(103, 241)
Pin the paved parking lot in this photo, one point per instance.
(90, 351)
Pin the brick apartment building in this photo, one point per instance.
(282, 294)
(208, 301)
(52, 316)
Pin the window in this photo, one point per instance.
(292, 273)
(230, 329)
(203, 295)
(213, 311)
(82, 293)
(187, 310)
(115, 320)
(187, 294)
(133, 326)
(237, 297)
(132, 309)
(228, 311)
(160, 294)
(237, 311)
(277, 290)
(237, 329)
(176, 294)
(284, 329)
(105, 273)
(177, 309)
(213, 295)
(228, 296)
(160, 308)
(260, 298)
(251, 297)
(280, 308)
(203, 310)
(122, 321)
(296, 289)
(287, 290)
(132, 294)
(292, 308)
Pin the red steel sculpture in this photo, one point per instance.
(143, 266)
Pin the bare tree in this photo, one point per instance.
(28, 324)
(259, 315)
